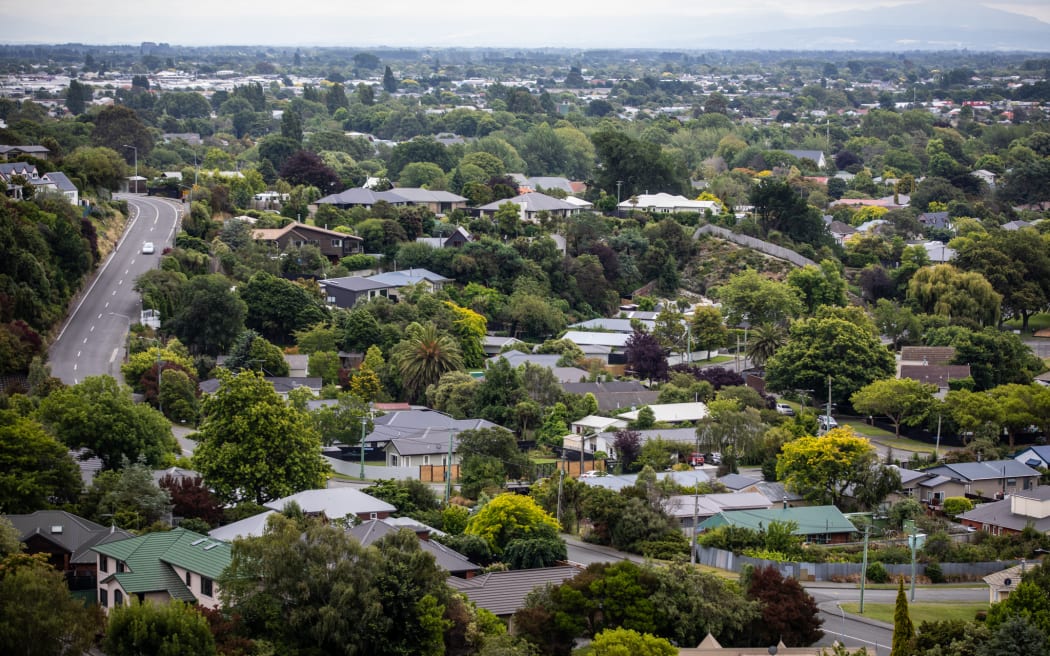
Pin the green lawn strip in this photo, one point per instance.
(929, 611)
(886, 438)
(1035, 322)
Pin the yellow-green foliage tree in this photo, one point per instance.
(823, 468)
(627, 642)
(470, 328)
(138, 365)
(511, 517)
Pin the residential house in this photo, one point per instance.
(820, 524)
(983, 480)
(615, 394)
(67, 540)
(985, 176)
(531, 204)
(395, 280)
(683, 507)
(911, 484)
(937, 375)
(345, 292)
(159, 567)
(1011, 515)
(458, 237)
(438, 202)
(615, 325)
(281, 384)
(840, 231)
(596, 424)
(673, 413)
(453, 562)
(492, 345)
(616, 343)
(503, 593)
(328, 504)
(935, 220)
(926, 355)
(421, 436)
(686, 478)
(1016, 225)
(57, 182)
(591, 443)
(1002, 583)
(547, 360)
(815, 156)
(543, 183)
(37, 151)
(774, 491)
(333, 245)
(1037, 457)
(10, 186)
(938, 252)
(664, 203)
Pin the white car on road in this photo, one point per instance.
(148, 248)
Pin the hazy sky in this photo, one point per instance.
(579, 23)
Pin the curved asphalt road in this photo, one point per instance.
(91, 342)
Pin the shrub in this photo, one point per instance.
(934, 573)
(877, 573)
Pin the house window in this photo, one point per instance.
(189, 580)
(103, 597)
(331, 299)
(103, 564)
(206, 586)
(393, 460)
(337, 243)
(120, 566)
(426, 460)
(373, 515)
(1011, 482)
(118, 598)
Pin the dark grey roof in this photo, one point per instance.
(550, 182)
(503, 593)
(999, 513)
(984, 471)
(66, 530)
(352, 196)
(1040, 451)
(670, 434)
(61, 181)
(281, 384)
(452, 561)
(417, 195)
(517, 358)
(354, 283)
(737, 481)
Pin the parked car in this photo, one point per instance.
(785, 409)
(827, 422)
(148, 248)
(592, 473)
(714, 458)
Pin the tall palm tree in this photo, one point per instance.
(423, 356)
(764, 342)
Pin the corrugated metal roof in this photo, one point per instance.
(503, 593)
(150, 558)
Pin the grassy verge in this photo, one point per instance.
(1035, 322)
(886, 438)
(920, 612)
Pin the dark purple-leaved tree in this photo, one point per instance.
(645, 357)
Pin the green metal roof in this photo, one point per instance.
(150, 559)
(811, 520)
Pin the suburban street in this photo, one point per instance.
(92, 341)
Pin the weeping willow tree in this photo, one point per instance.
(944, 290)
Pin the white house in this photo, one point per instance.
(664, 203)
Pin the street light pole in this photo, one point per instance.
(136, 150)
(364, 422)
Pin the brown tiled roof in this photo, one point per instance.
(938, 375)
(929, 354)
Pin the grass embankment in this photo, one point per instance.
(920, 612)
(886, 438)
(1035, 322)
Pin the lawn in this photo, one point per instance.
(886, 438)
(920, 612)
(1035, 322)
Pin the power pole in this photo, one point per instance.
(696, 514)
(864, 570)
(448, 467)
(561, 479)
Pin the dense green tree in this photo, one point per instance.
(779, 207)
(995, 357)
(36, 470)
(40, 616)
(100, 415)
(829, 347)
(252, 445)
(708, 331)
(152, 628)
(252, 352)
(99, 168)
(1016, 264)
(497, 395)
(278, 307)
(117, 126)
(488, 457)
(130, 498)
(819, 285)
(210, 316)
(758, 298)
(639, 166)
(901, 400)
